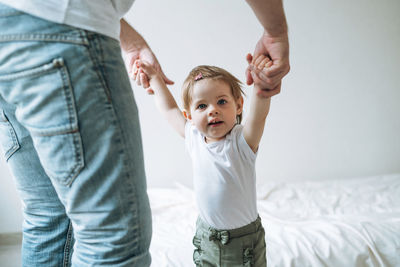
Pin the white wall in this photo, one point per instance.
(337, 115)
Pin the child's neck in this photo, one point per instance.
(210, 141)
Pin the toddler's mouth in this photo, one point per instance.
(215, 123)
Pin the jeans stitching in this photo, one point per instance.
(44, 37)
(67, 247)
(33, 72)
(73, 118)
(77, 141)
(56, 66)
(15, 146)
(69, 97)
(13, 136)
(96, 64)
(103, 69)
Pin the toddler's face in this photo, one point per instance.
(214, 109)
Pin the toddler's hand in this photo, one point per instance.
(259, 67)
(143, 71)
(258, 64)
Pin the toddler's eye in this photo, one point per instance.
(222, 101)
(201, 106)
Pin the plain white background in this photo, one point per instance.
(337, 115)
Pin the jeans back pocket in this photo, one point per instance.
(45, 106)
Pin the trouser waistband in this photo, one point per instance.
(225, 235)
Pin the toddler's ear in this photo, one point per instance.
(239, 105)
(187, 115)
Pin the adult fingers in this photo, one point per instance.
(249, 58)
(249, 78)
(144, 66)
(270, 81)
(133, 71)
(278, 67)
(145, 69)
(144, 80)
(166, 80)
(137, 77)
(265, 93)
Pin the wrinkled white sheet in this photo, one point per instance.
(352, 222)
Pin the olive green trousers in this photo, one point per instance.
(244, 246)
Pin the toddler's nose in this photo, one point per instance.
(212, 111)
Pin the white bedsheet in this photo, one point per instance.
(352, 222)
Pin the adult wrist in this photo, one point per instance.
(280, 32)
(130, 39)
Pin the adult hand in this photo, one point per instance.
(277, 49)
(147, 55)
(260, 64)
(136, 48)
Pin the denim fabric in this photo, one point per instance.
(70, 132)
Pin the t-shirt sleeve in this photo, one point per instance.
(243, 148)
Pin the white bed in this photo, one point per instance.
(352, 222)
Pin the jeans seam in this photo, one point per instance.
(33, 72)
(44, 38)
(103, 69)
(67, 247)
(68, 94)
(53, 132)
(97, 64)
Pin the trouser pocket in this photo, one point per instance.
(45, 106)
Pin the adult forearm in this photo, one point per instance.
(130, 39)
(271, 15)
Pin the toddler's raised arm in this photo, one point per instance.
(259, 107)
(164, 100)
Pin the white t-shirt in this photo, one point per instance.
(101, 16)
(224, 178)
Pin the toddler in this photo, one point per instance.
(223, 152)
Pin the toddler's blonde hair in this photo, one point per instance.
(210, 72)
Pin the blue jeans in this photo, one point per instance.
(70, 132)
